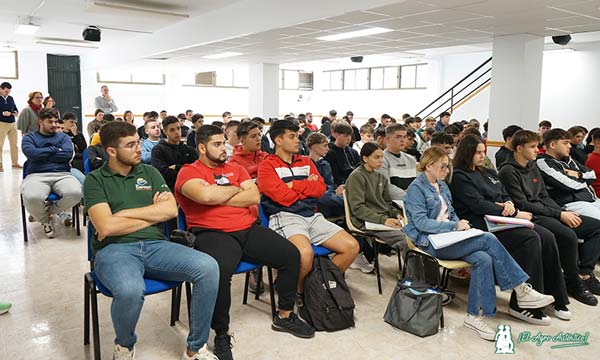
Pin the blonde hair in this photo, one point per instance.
(430, 156)
(32, 94)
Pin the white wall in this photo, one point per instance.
(33, 76)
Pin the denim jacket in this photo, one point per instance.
(423, 205)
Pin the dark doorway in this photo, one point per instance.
(64, 84)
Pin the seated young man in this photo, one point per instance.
(126, 201)
(525, 185)
(197, 122)
(170, 154)
(398, 167)
(215, 197)
(342, 158)
(411, 146)
(49, 153)
(331, 204)
(593, 162)
(232, 138)
(291, 186)
(568, 182)
(248, 154)
(152, 129)
(506, 150)
(366, 135)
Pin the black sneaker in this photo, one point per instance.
(223, 347)
(533, 316)
(254, 280)
(293, 325)
(592, 284)
(581, 294)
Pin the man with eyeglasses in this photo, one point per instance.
(399, 167)
(49, 154)
(126, 201)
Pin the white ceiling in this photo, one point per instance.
(417, 25)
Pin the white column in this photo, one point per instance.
(263, 90)
(516, 83)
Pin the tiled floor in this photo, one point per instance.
(44, 280)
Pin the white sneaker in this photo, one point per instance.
(123, 353)
(563, 314)
(48, 230)
(532, 316)
(477, 324)
(65, 218)
(361, 263)
(202, 354)
(528, 298)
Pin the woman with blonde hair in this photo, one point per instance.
(429, 210)
(28, 119)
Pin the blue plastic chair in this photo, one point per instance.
(52, 197)
(93, 286)
(242, 268)
(318, 250)
(86, 162)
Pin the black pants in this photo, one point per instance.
(535, 250)
(258, 245)
(575, 258)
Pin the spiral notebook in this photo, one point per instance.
(501, 223)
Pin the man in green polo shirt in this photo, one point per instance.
(126, 201)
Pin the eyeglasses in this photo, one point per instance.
(132, 145)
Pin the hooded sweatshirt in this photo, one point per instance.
(248, 160)
(562, 187)
(526, 187)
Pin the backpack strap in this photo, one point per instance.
(322, 264)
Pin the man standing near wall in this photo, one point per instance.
(105, 101)
(8, 111)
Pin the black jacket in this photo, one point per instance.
(564, 188)
(79, 144)
(578, 154)
(475, 193)
(326, 128)
(343, 161)
(502, 155)
(525, 186)
(97, 156)
(165, 155)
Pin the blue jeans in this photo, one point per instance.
(122, 268)
(488, 257)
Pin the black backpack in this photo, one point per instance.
(328, 304)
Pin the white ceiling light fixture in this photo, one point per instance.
(107, 6)
(67, 43)
(223, 55)
(355, 34)
(26, 29)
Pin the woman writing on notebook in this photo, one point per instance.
(369, 197)
(478, 192)
(429, 210)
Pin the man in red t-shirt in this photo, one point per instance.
(593, 162)
(215, 197)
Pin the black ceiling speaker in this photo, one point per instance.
(356, 59)
(91, 33)
(561, 39)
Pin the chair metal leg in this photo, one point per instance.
(259, 277)
(86, 310)
(24, 220)
(84, 218)
(188, 295)
(271, 291)
(179, 291)
(246, 285)
(73, 217)
(95, 326)
(442, 318)
(174, 315)
(376, 263)
(78, 224)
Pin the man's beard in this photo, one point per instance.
(127, 162)
(215, 159)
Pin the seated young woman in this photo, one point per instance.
(429, 210)
(369, 197)
(477, 192)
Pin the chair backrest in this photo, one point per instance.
(264, 220)
(349, 224)
(86, 161)
(181, 223)
(25, 167)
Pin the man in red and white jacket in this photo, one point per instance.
(291, 185)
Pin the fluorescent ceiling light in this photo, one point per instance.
(26, 29)
(223, 55)
(105, 5)
(67, 43)
(354, 34)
